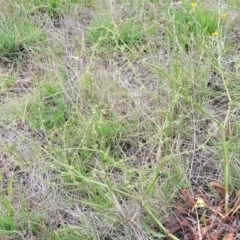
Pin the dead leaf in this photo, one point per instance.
(230, 235)
(185, 223)
(190, 236)
(196, 236)
(182, 210)
(218, 210)
(221, 202)
(215, 236)
(189, 200)
(206, 229)
(214, 223)
(172, 227)
(218, 188)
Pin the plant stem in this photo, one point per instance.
(226, 169)
(165, 231)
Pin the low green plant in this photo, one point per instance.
(234, 3)
(174, 182)
(7, 222)
(109, 35)
(7, 82)
(54, 8)
(18, 37)
(50, 109)
(193, 22)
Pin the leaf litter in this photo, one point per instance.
(201, 218)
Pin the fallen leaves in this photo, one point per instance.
(199, 217)
(230, 235)
(219, 188)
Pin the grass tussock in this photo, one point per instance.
(110, 110)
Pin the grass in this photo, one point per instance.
(109, 110)
(19, 36)
(50, 111)
(108, 36)
(53, 8)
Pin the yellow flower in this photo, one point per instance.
(215, 33)
(193, 4)
(223, 16)
(180, 2)
(238, 65)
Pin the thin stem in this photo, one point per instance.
(165, 231)
(226, 169)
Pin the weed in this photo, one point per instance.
(7, 81)
(192, 23)
(55, 8)
(51, 109)
(109, 35)
(7, 222)
(18, 37)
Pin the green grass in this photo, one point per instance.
(192, 25)
(54, 8)
(107, 115)
(108, 36)
(119, 33)
(50, 110)
(19, 37)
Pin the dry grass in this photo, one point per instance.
(109, 109)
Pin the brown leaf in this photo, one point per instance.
(182, 211)
(218, 188)
(181, 208)
(230, 235)
(189, 200)
(228, 219)
(196, 236)
(185, 223)
(221, 202)
(215, 236)
(172, 227)
(206, 229)
(218, 211)
(190, 236)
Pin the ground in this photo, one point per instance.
(119, 119)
